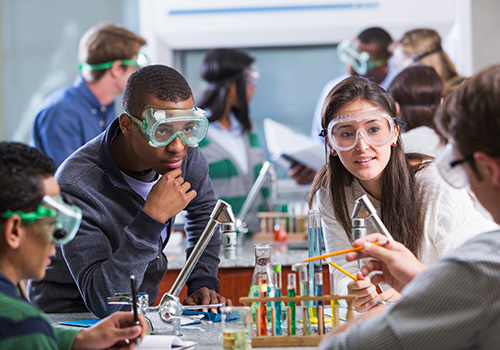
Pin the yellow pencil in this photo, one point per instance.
(340, 252)
(341, 270)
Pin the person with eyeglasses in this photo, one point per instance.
(130, 182)
(232, 146)
(73, 115)
(366, 157)
(34, 218)
(454, 303)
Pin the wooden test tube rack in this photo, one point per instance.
(273, 340)
(296, 232)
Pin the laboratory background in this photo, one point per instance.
(293, 43)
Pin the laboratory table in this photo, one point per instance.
(236, 275)
(207, 337)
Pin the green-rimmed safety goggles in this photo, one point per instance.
(162, 125)
(67, 218)
(141, 61)
(360, 61)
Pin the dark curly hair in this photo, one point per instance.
(22, 169)
(155, 81)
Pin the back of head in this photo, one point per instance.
(219, 68)
(222, 65)
(418, 90)
(22, 169)
(107, 43)
(424, 45)
(470, 114)
(379, 37)
(155, 81)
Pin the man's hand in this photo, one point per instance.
(397, 263)
(301, 174)
(169, 196)
(204, 296)
(117, 331)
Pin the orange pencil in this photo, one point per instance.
(341, 270)
(340, 252)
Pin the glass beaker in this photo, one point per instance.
(263, 268)
(236, 327)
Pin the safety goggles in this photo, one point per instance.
(344, 130)
(141, 61)
(67, 218)
(449, 168)
(252, 76)
(162, 125)
(359, 61)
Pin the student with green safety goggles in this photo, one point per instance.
(67, 218)
(162, 125)
(141, 61)
(361, 62)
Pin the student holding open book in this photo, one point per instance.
(367, 157)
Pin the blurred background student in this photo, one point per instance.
(418, 91)
(232, 148)
(73, 115)
(423, 46)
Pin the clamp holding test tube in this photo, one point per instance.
(359, 225)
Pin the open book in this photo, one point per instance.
(288, 147)
(165, 342)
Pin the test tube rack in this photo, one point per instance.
(285, 340)
(294, 224)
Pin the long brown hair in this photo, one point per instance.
(400, 204)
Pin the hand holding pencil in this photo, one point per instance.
(397, 264)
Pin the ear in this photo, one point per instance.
(488, 167)
(13, 232)
(116, 69)
(125, 124)
(398, 108)
(397, 129)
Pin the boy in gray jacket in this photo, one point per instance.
(130, 182)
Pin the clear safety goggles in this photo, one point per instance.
(67, 218)
(252, 76)
(344, 130)
(359, 61)
(141, 61)
(162, 125)
(449, 168)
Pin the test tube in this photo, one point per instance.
(334, 303)
(277, 293)
(291, 288)
(304, 286)
(263, 308)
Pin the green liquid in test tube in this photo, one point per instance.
(292, 286)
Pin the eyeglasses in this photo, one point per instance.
(141, 61)
(162, 125)
(360, 61)
(454, 175)
(67, 218)
(344, 131)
